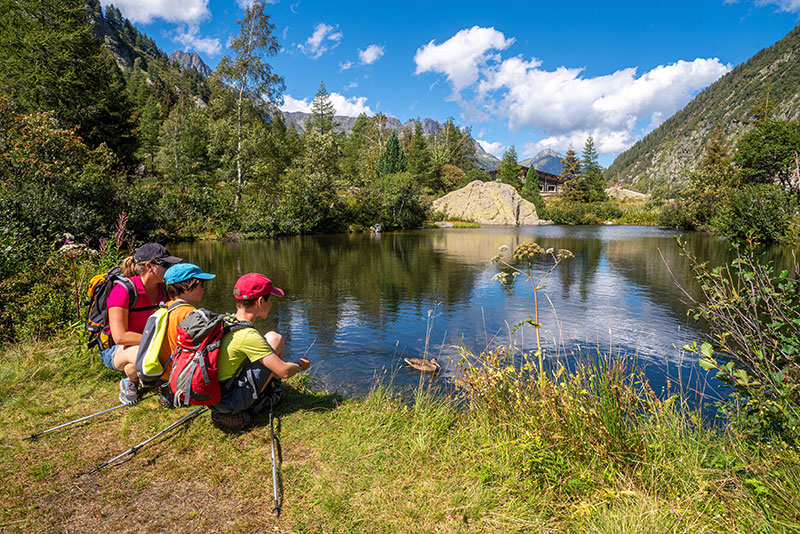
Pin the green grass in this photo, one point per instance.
(585, 451)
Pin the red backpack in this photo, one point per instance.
(193, 379)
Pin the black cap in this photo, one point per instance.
(154, 251)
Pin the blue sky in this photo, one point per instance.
(530, 74)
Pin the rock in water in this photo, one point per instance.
(487, 203)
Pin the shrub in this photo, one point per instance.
(676, 215)
(761, 210)
(565, 212)
(753, 314)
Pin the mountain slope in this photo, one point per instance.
(661, 161)
(548, 160)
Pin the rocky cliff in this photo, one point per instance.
(190, 60)
(487, 203)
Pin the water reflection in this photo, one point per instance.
(366, 301)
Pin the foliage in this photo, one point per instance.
(530, 192)
(419, 161)
(509, 172)
(450, 177)
(452, 146)
(763, 211)
(39, 159)
(44, 283)
(308, 203)
(50, 61)
(709, 187)
(766, 154)
(592, 182)
(571, 174)
(753, 313)
(565, 212)
(249, 76)
(392, 158)
(399, 200)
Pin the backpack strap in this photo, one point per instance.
(177, 305)
(231, 324)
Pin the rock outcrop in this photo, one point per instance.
(487, 203)
(186, 60)
(619, 193)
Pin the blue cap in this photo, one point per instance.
(185, 271)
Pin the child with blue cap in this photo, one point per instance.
(185, 285)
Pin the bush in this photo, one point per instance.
(565, 212)
(763, 211)
(753, 314)
(676, 214)
(41, 160)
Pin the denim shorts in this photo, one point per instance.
(107, 355)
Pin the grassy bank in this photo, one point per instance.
(588, 451)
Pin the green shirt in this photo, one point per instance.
(236, 348)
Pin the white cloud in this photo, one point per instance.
(323, 39)
(244, 4)
(350, 107)
(461, 56)
(616, 109)
(345, 65)
(292, 104)
(189, 38)
(788, 6)
(351, 85)
(371, 54)
(144, 11)
(497, 148)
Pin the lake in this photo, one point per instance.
(359, 303)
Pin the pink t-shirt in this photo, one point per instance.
(118, 298)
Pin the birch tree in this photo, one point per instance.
(250, 76)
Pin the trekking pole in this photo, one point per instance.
(135, 448)
(37, 434)
(277, 509)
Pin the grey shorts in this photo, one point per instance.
(243, 391)
(107, 356)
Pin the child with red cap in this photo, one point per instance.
(248, 363)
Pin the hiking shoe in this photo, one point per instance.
(165, 402)
(128, 391)
(231, 421)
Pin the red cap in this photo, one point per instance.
(254, 285)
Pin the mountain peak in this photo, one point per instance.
(190, 60)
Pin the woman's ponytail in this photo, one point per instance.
(130, 267)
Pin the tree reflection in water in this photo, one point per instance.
(365, 298)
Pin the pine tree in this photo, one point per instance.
(710, 183)
(509, 172)
(50, 61)
(250, 76)
(321, 141)
(322, 112)
(392, 158)
(419, 157)
(531, 192)
(571, 174)
(592, 183)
